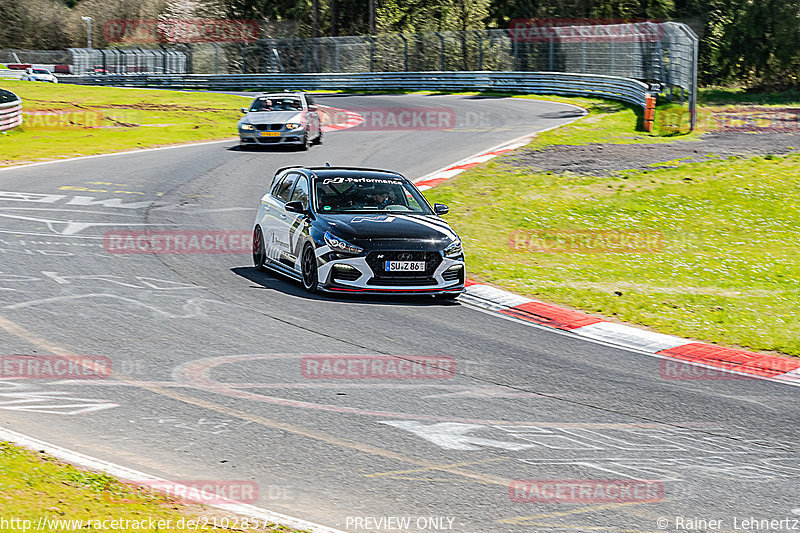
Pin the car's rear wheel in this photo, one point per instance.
(259, 249)
(309, 266)
(318, 140)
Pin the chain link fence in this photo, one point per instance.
(127, 61)
(662, 55)
(657, 53)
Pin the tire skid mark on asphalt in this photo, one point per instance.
(198, 373)
(193, 306)
(27, 400)
(368, 449)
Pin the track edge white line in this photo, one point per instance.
(131, 475)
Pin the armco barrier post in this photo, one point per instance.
(649, 112)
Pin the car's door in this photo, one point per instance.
(274, 217)
(297, 223)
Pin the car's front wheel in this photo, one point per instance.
(309, 266)
(259, 249)
(306, 143)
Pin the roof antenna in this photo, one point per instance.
(327, 164)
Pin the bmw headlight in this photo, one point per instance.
(293, 125)
(247, 127)
(453, 249)
(341, 245)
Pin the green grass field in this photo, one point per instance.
(725, 269)
(38, 487)
(82, 120)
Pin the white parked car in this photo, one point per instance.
(39, 74)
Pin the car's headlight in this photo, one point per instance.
(453, 249)
(341, 245)
(246, 127)
(293, 125)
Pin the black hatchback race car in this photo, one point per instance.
(356, 230)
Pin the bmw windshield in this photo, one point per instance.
(368, 195)
(275, 103)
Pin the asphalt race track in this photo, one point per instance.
(207, 354)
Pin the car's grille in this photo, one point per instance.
(453, 274)
(376, 261)
(269, 140)
(402, 282)
(269, 127)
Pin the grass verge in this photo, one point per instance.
(723, 268)
(37, 487)
(72, 120)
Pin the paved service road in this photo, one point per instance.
(211, 379)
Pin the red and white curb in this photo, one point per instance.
(128, 474)
(336, 119)
(596, 329)
(435, 178)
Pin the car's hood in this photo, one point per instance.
(274, 117)
(379, 231)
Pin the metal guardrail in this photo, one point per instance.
(10, 112)
(616, 88)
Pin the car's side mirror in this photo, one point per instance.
(295, 207)
(243, 109)
(440, 209)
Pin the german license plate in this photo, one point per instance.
(270, 134)
(405, 266)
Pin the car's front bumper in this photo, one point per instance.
(255, 137)
(339, 273)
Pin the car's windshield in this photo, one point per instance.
(272, 103)
(371, 194)
(40, 71)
